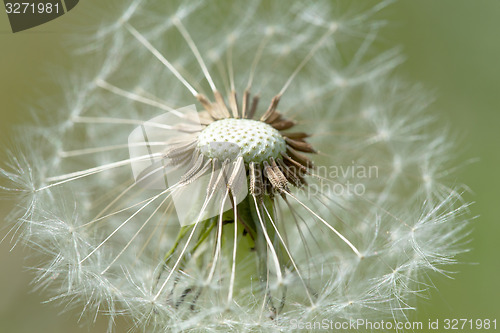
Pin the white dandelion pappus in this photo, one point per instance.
(219, 220)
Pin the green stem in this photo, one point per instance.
(180, 235)
(205, 234)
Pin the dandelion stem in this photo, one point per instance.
(205, 234)
(180, 236)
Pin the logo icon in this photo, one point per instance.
(195, 189)
(26, 14)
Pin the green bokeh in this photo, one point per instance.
(452, 47)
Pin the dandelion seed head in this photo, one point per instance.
(254, 140)
(339, 213)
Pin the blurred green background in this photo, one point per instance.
(452, 47)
